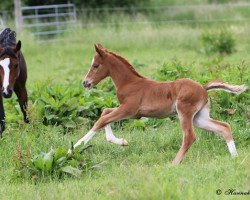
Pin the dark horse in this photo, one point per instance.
(13, 73)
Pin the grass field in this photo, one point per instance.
(142, 170)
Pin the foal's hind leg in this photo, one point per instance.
(108, 131)
(22, 96)
(202, 120)
(185, 114)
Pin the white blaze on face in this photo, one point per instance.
(93, 60)
(5, 65)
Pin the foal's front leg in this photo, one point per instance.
(121, 112)
(109, 133)
(22, 96)
(2, 116)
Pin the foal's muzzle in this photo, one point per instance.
(87, 84)
(7, 93)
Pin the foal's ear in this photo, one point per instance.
(99, 49)
(18, 46)
(100, 46)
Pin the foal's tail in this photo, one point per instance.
(219, 85)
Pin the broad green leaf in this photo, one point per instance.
(73, 163)
(38, 161)
(48, 160)
(61, 161)
(60, 152)
(70, 124)
(72, 171)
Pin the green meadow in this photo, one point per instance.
(142, 170)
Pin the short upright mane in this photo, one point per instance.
(7, 42)
(7, 38)
(125, 61)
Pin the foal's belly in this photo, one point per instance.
(156, 111)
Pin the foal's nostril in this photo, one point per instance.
(86, 84)
(7, 93)
(10, 91)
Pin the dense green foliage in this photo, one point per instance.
(62, 105)
(218, 42)
(57, 163)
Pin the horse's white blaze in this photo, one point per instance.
(5, 65)
(93, 60)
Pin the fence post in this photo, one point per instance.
(18, 16)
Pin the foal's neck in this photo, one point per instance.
(121, 72)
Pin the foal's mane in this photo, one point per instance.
(7, 38)
(7, 41)
(125, 61)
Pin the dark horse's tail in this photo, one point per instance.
(7, 37)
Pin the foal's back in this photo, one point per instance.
(159, 99)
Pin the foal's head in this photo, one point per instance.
(97, 71)
(9, 69)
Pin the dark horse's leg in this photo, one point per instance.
(22, 96)
(2, 116)
(20, 88)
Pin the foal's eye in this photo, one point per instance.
(96, 65)
(16, 65)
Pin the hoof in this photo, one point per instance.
(235, 155)
(124, 142)
(174, 163)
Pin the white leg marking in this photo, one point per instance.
(111, 138)
(84, 139)
(5, 64)
(203, 121)
(232, 148)
(202, 118)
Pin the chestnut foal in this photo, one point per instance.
(141, 97)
